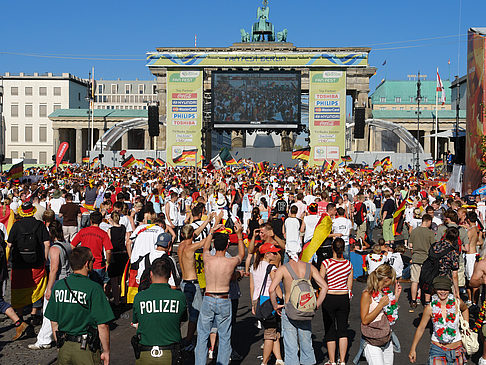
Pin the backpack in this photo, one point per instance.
(145, 279)
(430, 269)
(360, 213)
(302, 302)
(28, 245)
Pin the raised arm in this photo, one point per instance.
(241, 245)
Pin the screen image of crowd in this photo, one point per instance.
(256, 97)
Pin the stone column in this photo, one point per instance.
(426, 140)
(79, 145)
(124, 143)
(147, 139)
(372, 132)
(55, 139)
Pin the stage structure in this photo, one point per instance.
(257, 85)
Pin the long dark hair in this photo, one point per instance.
(255, 214)
(338, 247)
(264, 202)
(55, 231)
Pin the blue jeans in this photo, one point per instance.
(449, 356)
(218, 310)
(297, 334)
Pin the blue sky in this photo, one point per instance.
(127, 29)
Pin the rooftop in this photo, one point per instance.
(43, 76)
(404, 89)
(410, 114)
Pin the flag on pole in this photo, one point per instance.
(149, 160)
(85, 159)
(397, 217)
(129, 161)
(326, 166)
(16, 171)
(301, 154)
(376, 164)
(440, 89)
(346, 158)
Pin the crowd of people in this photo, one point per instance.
(267, 97)
(84, 246)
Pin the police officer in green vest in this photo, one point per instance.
(158, 311)
(80, 312)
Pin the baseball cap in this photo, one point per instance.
(163, 240)
(268, 247)
(442, 283)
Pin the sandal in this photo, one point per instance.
(330, 363)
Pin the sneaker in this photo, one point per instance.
(236, 356)
(210, 354)
(419, 301)
(259, 325)
(413, 305)
(279, 362)
(34, 346)
(468, 303)
(20, 330)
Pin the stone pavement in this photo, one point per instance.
(249, 337)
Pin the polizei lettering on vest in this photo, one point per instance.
(64, 296)
(159, 306)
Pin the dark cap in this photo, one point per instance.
(163, 240)
(442, 283)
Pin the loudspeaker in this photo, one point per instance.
(460, 150)
(153, 120)
(359, 123)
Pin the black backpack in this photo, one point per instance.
(430, 269)
(360, 213)
(29, 248)
(145, 279)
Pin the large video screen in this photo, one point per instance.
(255, 99)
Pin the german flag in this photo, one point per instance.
(301, 154)
(85, 159)
(439, 163)
(191, 153)
(129, 161)
(149, 160)
(261, 167)
(28, 286)
(231, 162)
(386, 160)
(376, 164)
(333, 165)
(16, 171)
(326, 166)
(53, 169)
(178, 158)
(147, 165)
(159, 162)
(346, 158)
(349, 170)
(398, 217)
(442, 188)
(68, 171)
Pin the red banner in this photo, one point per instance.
(61, 151)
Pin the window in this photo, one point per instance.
(43, 91)
(14, 91)
(28, 133)
(154, 89)
(114, 89)
(42, 158)
(382, 108)
(28, 91)
(57, 91)
(141, 88)
(394, 108)
(28, 110)
(14, 133)
(14, 154)
(79, 96)
(424, 99)
(14, 110)
(43, 110)
(57, 106)
(398, 99)
(412, 99)
(402, 108)
(100, 89)
(128, 89)
(28, 155)
(383, 99)
(43, 133)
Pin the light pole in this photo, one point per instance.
(418, 99)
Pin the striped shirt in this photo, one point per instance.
(337, 273)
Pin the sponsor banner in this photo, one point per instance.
(327, 115)
(184, 115)
(245, 59)
(475, 115)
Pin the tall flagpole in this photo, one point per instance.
(436, 118)
(92, 107)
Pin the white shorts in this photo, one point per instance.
(470, 259)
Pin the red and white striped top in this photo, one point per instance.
(337, 273)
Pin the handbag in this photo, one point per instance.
(468, 337)
(377, 333)
(264, 308)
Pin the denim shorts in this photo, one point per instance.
(102, 275)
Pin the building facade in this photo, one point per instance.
(124, 94)
(395, 101)
(28, 100)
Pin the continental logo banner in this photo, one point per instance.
(245, 59)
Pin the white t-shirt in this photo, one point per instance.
(292, 234)
(309, 199)
(310, 226)
(374, 260)
(342, 225)
(395, 261)
(56, 204)
(144, 241)
(125, 221)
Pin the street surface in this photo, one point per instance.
(250, 338)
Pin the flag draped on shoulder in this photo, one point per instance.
(301, 154)
(16, 171)
(399, 217)
(322, 231)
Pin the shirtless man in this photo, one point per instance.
(471, 253)
(296, 330)
(216, 305)
(190, 285)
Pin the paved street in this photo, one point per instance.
(249, 337)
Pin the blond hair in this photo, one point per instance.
(381, 272)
